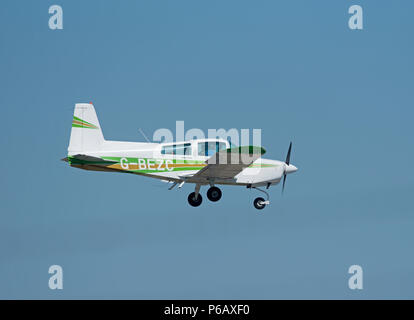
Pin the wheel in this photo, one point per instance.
(193, 201)
(258, 203)
(214, 194)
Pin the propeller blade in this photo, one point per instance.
(284, 181)
(287, 163)
(288, 154)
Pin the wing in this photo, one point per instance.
(227, 163)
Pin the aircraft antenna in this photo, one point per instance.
(143, 134)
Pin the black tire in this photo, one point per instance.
(258, 203)
(214, 194)
(194, 202)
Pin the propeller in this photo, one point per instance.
(287, 162)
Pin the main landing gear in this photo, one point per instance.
(214, 194)
(195, 198)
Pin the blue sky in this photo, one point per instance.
(291, 68)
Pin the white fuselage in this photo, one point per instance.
(158, 160)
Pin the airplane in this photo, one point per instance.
(202, 162)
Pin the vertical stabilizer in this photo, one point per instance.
(86, 134)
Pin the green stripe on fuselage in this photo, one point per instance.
(108, 161)
(174, 161)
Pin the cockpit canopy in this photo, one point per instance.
(195, 148)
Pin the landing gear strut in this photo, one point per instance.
(214, 194)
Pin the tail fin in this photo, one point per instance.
(86, 134)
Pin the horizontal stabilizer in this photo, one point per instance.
(89, 160)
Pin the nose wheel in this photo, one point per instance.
(259, 203)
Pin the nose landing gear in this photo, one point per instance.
(259, 203)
